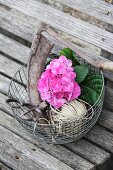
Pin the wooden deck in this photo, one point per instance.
(19, 21)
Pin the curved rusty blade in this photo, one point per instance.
(41, 48)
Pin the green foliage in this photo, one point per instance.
(67, 52)
(81, 72)
(91, 88)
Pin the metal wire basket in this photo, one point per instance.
(52, 131)
(58, 133)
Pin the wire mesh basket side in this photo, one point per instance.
(52, 133)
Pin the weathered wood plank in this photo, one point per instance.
(3, 105)
(101, 10)
(88, 151)
(21, 52)
(18, 23)
(106, 119)
(8, 66)
(4, 84)
(4, 167)
(108, 99)
(39, 157)
(81, 147)
(101, 137)
(16, 159)
(14, 49)
(72, 26)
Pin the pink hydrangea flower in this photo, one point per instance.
(57, 84)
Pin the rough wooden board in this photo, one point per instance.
(3, 105)
(82, 147)
(72, 26)
(88, 151)
(19, 24)
(8, 66)
(3, 167)
(101, 137)
(10, 156)
(100, 8)
(4, 84)
(108, 99)
(106, 119)
(14, 49)
(21, 52)
(39, 156)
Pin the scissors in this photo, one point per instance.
(35, 110)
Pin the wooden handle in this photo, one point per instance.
(101, 62)
(40, 49)
(106, 66)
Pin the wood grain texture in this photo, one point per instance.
(18, 23)
(64, 22)
(81, 147)
(39, 157)
(21, 52)
(3, 105)
(97, 9)
(101, 137)
(8, 66)
(4, 84)
(108, 100)
(88, 151)
(14, 49)
(106, 119)
(40, 50)
(4, 167)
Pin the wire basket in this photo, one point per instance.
(47, 126)
(51, 132)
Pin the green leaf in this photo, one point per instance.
(89, 95)
(67, 52)
(92, 87)
(81, 72)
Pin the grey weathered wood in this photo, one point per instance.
(106, 119)
(88, 151)
(72, 26)
(101, 137)
(3, 105)
(14, 49)
(4, 84)
(4, 167)
(8, 66)
(39, 157)
(21, 52)
(16, 159)
(108, 99)
(94, 8)
(41, 48)
(82, 147)
(14, 21)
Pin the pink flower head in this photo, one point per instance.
(57, 83)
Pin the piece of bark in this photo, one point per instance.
(40, 50)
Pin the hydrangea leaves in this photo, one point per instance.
(92, 87)
(81, 72)
(91, 83)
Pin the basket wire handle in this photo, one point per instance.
(102, 63)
